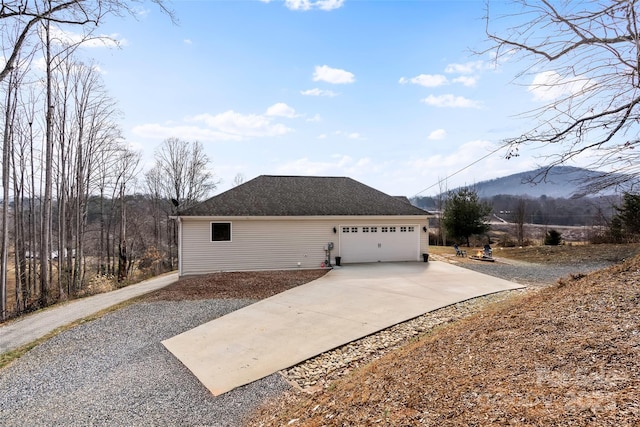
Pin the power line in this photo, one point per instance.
(460, 170)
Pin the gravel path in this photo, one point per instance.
(530, 274)
(85, 376)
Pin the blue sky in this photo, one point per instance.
(389, 93)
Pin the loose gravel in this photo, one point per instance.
(531, 274)
(85, 376)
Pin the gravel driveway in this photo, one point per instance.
(85, 376)
(531, 274)
(125, 376)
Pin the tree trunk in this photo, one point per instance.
(45, 249)
(122, 247)
(4, 246)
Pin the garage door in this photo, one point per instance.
(373, 243)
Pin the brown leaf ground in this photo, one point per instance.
(244, 285)
(566, 355)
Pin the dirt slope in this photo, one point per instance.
(567, 355)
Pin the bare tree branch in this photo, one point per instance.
(585, 62)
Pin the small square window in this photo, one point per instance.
(403, 229)
(354, 229)
(345, 229)
(365, 229)
(220, 231)
(374, 229)
(392, 229)
(412, 229)
(385, 229)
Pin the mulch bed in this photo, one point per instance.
(240, 285)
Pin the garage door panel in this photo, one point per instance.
(379, 243)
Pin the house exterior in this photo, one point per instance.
(290, 222)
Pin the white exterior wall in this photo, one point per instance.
(272, 243)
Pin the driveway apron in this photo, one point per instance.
(346, 304)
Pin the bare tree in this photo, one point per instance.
(519, 218)
(440, 204)
(153, 181)
(238, 179)
(22, 18)
(584, 58)
(184, 171)
(127, 168)
(53, 142)
(9, 123)
(184, 177)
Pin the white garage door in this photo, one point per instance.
(373, 243)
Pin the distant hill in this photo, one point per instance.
(560, 182)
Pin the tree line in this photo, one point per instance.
(75, 204)
(543, 210)
(462, 214)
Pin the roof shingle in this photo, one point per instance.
(269, 195)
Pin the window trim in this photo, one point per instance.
(220, 222)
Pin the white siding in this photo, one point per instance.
(269, 244)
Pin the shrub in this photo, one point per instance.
(552, 238)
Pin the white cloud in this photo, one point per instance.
(281, 110)
(227, 126)
(466, 68)
(163, 131)
(141, 12)
(244, 125)
(437, 135)
(311, 4)
(187, 41)
(549, 86)
(426, 80)
(332, 75)
(40, 64)
(466, 80)
(70, 38)
(350, 135)
(450, 169)
(318, 92)
(339, 165)
(315, 119)
(451, 101)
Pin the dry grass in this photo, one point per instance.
(562, 254)
(567, 355)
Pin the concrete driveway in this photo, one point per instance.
(346, 304)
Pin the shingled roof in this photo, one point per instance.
(269, 195)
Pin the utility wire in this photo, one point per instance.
(460, 170)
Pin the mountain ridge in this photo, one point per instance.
(558, 182)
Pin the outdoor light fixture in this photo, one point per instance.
(424, 228)
(334, 230)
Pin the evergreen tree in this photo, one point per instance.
(464, 214)
(629, 213)
(552, 238)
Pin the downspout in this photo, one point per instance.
(179, 219)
